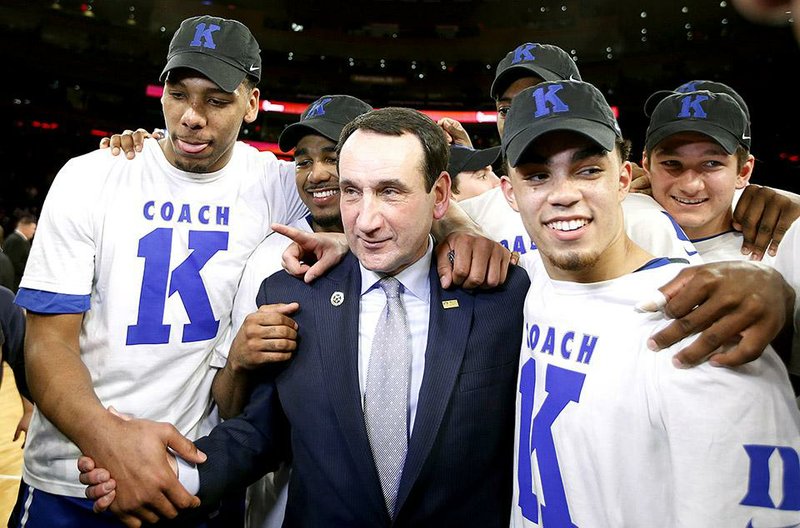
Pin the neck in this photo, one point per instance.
(620, 258)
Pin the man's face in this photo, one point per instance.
(318, 181)
(568, 192)
(386, 211)
(203, 121)
(474, 183)
(28, 229)
(503, 103)
(694, 179)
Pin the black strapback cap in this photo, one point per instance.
(223, 50)
(574, 106)
(717, 115)
(546, 61)
(464, 158)
(326, 117)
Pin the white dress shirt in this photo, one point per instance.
(416, 296)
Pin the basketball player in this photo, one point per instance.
(608, 433)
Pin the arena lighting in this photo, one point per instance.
(284, 107)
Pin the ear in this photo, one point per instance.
(441, 195)
(747, 171)
(252, 106)
(625, 179)
(508, 192)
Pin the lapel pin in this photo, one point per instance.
(337, 298)
(452, 303)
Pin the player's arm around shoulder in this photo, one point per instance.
(722, 426)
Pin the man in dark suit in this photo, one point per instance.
(18, 244)
(464, 352)
(449, 460)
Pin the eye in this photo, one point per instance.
(302, 163)
(176, 95)
(218, 102)
(331, 160)
(589, 172)
(503, 111)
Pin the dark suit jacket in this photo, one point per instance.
(458, 470)
(17, 248)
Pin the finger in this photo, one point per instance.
(183, 447)
(764, 231)
(95, 476)
(787, 218)
(280, 308)
(158, 133)
(319, 268)
(300, 237)
(749, 214)
(679, 298)
(100, 490)
(291, 260)
(498, 268)
(462, 260)
(104, 143)
(85, 464)
(102, 503)
(444, 267)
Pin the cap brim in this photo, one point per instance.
(221, 73)
(510, 74)
(597, 132)
(477, 160)
(292, 134)
(727, 141)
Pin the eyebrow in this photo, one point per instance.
(391, 182)
(304, 151)
(713, 151)
(588, 152)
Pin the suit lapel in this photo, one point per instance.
(337, 335)
(448, 332)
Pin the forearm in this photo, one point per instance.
(59, 382)
(455, 219)
(231, 390)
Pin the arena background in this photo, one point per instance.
(76, 71)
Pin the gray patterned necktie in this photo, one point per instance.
(386, 396)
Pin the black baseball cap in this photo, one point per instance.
(717, 115)
(574, 106)
(221, 49)
(326, 117)
(547, 61)
(716, 87)
(463, 158)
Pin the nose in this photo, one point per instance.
(193, 118)
(691, 182)
(565, 192)
(319, 174)
(369, 218)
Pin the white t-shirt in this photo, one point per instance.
(646, 222)
(611, 434)
(787, 261)
(153, 256)
(725, 246)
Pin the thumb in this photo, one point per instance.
(115, 412)
(281, 308)
(184, 448)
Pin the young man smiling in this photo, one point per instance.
(609, 433)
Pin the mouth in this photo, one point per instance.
(688, 201)
(190, 148)
(321, 194)
(567, 226)
(372, 244)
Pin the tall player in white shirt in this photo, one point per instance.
(608, 433)
(130, 282)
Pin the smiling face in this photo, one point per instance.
(568, 191)
(694, 179)
(386, 211)
(203, 121)
(318, 181)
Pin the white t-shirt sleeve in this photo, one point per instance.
(787, 261)
(723, 425)
(62, 255)
(295, 208)
(652, 228)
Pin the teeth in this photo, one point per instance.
(567, 225)
(324, 194)
(688, 201)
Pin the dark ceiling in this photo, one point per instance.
(85, 65)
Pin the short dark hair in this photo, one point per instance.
(26, 219)
(394, 121)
